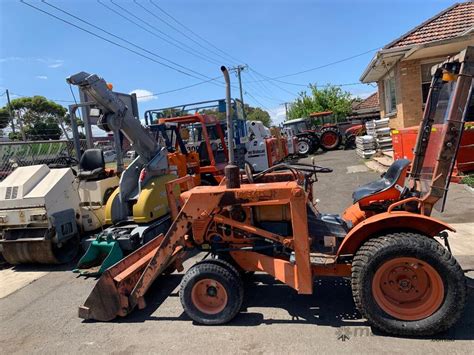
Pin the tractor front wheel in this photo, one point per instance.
(211, 293)
(408, 284)
(304, 146)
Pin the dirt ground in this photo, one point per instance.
(40, 316)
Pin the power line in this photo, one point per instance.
(272, 83)
(270, 80)
(194, 33)
(255, 99)
(108, 40)
(138, 97)
(324, 65)
(121, 38)
(262, 85)
(179, 31)
(145, 29)
(179, 89)
(172, 41)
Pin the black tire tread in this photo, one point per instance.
(422, 245)
(333, 130)
(228, 278)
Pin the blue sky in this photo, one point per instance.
(274, 38)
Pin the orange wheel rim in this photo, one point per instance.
(209, 296)
(329, 139)
(408, 288)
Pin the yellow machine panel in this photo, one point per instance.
(152, 202)
(108, 206)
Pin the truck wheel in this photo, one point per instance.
(408, 284)
(304, 146)
(211, 293)
(330, 138)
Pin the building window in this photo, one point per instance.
(390, 95)
(426, 79)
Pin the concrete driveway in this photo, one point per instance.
(41, 316)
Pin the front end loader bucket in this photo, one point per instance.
(109, 298)
(100, 255)
(122, 286)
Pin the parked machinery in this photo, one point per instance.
(403, 280)
(254, 144)
(291, 141)
(205, 138)
(324, 135)
(44, 211)
(137, 210)
(264, 149)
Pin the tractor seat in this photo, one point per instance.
(92, 165)
(395, 173)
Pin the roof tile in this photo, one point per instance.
(371, 102)
(448, 24)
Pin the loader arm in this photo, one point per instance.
(123, 286)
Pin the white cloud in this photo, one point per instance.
(50, 62)
(57, 63)
(143, 95)
(42, 77)
(12, 59)
(277, 115)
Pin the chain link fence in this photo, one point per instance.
(60, 153)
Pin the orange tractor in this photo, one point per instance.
(211, 151)
(404, 281)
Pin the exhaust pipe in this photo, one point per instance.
(232, 172)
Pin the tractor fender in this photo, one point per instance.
(390, 221)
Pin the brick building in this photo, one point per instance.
(402, 69)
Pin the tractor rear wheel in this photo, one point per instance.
(408, 284)
(211, 293)
(330, 138)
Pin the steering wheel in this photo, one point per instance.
(249, 172)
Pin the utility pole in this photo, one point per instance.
(286, 110)
(239, 69)
(11, 112)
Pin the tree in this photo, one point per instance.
(40, 117)
(253, 114)
(257, 114)
(330, 98)
(4, 117)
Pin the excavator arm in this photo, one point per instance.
(117, 116)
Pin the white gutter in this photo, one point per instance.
(407, 51)
(379, 57)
